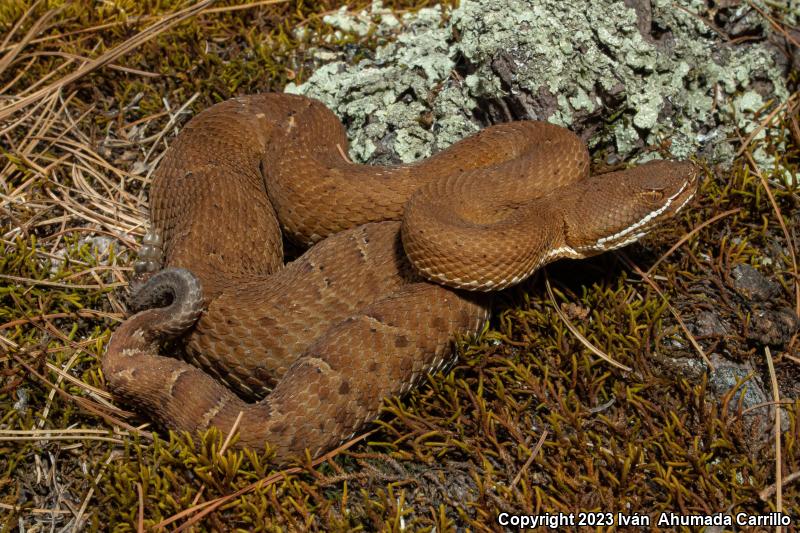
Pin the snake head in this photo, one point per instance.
(619, 208)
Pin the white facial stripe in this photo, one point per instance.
(628, 241)
(647, 218)
(684, 203)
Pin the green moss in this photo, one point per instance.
(447, 455)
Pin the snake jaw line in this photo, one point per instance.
(683, 204)
(614, 241)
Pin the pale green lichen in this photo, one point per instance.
(385, 99)
(362, 22)
(685, 88)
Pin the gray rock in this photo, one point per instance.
(709, 324)
(625, 74)
(772, 327)
(752, 285)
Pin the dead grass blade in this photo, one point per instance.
(583, 340)
(80, 313)
(113, 54)
(776, 397)
(140, 514)
(789, 241)
(29, 281)
(37, 27)
(231, 433)
(689, 235)
(228, 9)
(77, 58)
(19, 23)
(18, 508)
(87, 405)
(766, 122)
(89, 494)
(527, 464)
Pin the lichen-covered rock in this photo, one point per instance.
(625, 74)
(403, 103)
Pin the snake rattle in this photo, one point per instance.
(303, 355)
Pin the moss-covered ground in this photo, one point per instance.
(529, 420)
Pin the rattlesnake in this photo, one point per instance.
(355, 319)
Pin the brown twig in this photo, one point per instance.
(583, 340)
(767, 492)
(787, 236)
(689, 235)
(776, 397)
(85, 404)
(113, 54)
(527, 464)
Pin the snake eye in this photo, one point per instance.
(653, 195)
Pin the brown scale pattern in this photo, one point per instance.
(334, 279)
(351, 321)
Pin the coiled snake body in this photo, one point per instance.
(354, 319)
